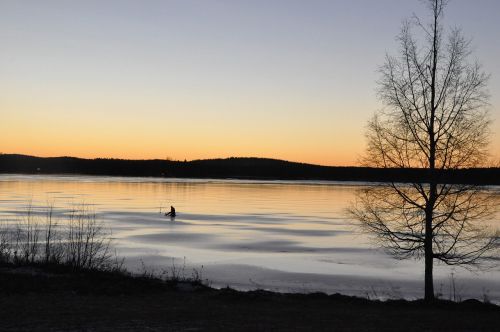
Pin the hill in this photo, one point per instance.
(240, 168)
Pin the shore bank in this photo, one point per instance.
(40, 298)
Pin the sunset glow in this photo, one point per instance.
(292, 80)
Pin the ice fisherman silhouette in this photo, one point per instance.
(171, 213)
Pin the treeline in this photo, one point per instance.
(240, 168)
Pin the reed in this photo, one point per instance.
(77, 239)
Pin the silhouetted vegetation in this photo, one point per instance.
(79, 241)
(238, 168)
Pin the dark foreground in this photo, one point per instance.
(41, 299)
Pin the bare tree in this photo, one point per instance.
(435, 118)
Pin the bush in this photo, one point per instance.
(80, 241)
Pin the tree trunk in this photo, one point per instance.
(429, 235)
(429, 260)
(429, 212)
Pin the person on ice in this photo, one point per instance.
(171, 213)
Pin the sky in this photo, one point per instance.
(195, 79)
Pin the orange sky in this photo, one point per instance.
(207, 79)
(126, 135)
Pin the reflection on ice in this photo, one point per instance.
(284, 236)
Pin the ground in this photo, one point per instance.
(57, 299)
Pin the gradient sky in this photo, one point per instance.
(193, 79)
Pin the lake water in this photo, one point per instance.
(276, 235)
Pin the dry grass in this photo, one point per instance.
(79, 240)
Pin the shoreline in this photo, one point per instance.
(55, 297)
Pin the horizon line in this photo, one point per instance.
(178, 160)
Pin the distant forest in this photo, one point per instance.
(236, 168)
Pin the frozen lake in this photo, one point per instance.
(277, 235)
